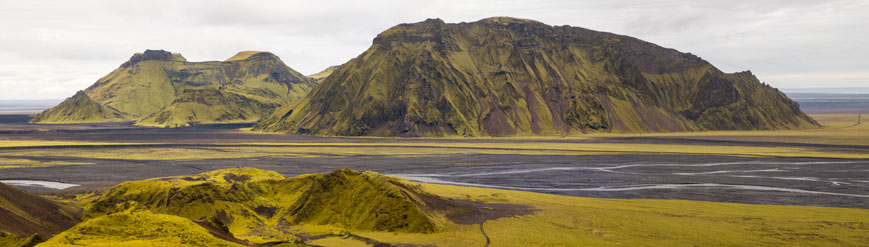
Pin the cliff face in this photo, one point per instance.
(506, 76)
(162, 89)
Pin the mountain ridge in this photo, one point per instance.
(507, 76)
(147, 87)
(259, 206)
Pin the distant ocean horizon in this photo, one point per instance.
(831, 90)
(26, 106)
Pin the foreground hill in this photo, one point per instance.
(505, 76)
(249, 205)
(161, 88)
(246, 206)
(28, 218)
(149, 229)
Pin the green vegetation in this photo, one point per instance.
(318, 77)
(259, 206)
(568, 221)
(136, 226)
(839, 129)
(512, 77)
(79, 108)
(362, 201)
(207, 105)
(159, 88)
(22, 163)
(10, 240)
(240, 206)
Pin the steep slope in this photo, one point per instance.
(79, 108)
(208, 105)
(164, 89)
(25, 215)
(258, 206)
(506, 76)
(356, 200)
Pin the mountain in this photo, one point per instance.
(323, 74)
(259, 206)
(30, 218)
(161, 88)
(79, 108)
(505, 76)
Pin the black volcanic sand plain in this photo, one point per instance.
(835, 182)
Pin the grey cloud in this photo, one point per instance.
(50, 49)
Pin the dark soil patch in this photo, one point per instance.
(220, 232)
(465, 212)
(236, 178)
(268, 212)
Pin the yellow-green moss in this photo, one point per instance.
(513, 77)
(79, 108)
(136, 226)
(158, 88)
(257, 205)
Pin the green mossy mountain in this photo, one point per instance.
(79, 108)
(505, 76)
(222, 107)
(161, 88)
(257, 206)
(323, 74)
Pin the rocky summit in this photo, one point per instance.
(506, 77)
(160, 88)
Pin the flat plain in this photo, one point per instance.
(600, 189)
(823, 167)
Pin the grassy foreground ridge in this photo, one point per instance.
(247, 206)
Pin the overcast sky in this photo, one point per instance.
(50, 49)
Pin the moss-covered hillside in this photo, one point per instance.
(160, 88)
(506, 76)
(259, 206)
(323, 74)
(136, 226)
(79, 108)
(252, 207)
(27, 219)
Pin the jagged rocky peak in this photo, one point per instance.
(160, 55)
(252, 55)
